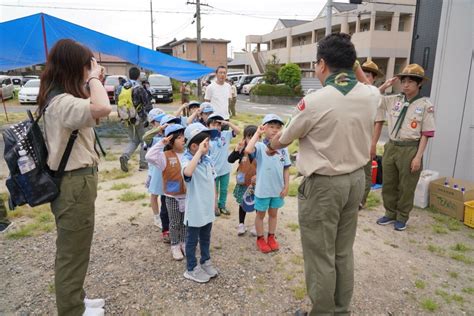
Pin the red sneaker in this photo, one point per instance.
(272, 243)
(263, 246)
(166, 237)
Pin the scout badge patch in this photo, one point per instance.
(342, 81)
(301, 105)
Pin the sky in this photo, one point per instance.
(130, 20)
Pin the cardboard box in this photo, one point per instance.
(449, 201)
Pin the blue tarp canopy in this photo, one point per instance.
(24, 42)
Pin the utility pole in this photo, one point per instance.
(198, 38)
(329, 17)
(151, 20)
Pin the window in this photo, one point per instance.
(8, 81)
(213, 49)
(183, 48)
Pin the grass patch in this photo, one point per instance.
(457, 298)
(471, 235)
(13, 118)
(297, 260)
(436, 249)
(51, 288)
(289, 277)
(468, 290)
(460, 247)
(293, 191)
(41, 220)
(453, 274)
(131, 196)
(299, 292)
(461, 257)
(420, 284)
(373, 200)
(429, 305)
(30, 230)
(120, 186)
(445, 295)
(439, 229)
(113, 174)
(293, 226)
(111, 157)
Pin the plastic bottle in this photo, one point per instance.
(25, 162)
(446, 183)
(463, 190)
(455, 187)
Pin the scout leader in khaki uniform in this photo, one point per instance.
(334, 126)
(71, 67)
(411, 123)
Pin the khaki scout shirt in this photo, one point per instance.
(64, 114)
(419, 119)
(334, 130)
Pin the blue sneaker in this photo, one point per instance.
(400, 226)
(384, 220)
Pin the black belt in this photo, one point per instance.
(402, 143)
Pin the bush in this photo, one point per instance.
(273, 90)
(290, 74)
(271, 71)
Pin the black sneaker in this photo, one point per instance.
(5, 227)
(143, 167)
(124, 163)
(400, 226)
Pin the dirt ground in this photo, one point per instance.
(427, 269)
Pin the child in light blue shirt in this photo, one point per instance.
(273, 177)
(219, 152)
(198, 173)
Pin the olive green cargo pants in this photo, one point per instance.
(74, 212)
(327, 213)
(368, 181)
(399, 183)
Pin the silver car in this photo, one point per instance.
(6, 85)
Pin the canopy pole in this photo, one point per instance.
(45, 43)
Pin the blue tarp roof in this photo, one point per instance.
(22, 45)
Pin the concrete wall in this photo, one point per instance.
(451, 152)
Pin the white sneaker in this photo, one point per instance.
(183, 248)
(209, 269)
(94, 303)
(157, 220)
(197, 275)
(90, 311)
(241, 229)
(176, 252)
(253, 231)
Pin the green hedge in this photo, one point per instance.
(273, 90)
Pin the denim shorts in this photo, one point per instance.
(263, 204)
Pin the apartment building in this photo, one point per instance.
(381, 31)
(213, 51)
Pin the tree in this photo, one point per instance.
(271, 71)
(290, 74)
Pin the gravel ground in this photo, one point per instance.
(395, 272)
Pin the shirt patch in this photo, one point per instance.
(301, 105)
(397, 106)
(431, 109)
(419, 110)
(414, 124)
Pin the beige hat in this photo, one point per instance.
(372, 67)
(413, 70)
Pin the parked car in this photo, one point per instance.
(245, 79)
(161, 88)
(26, 78)
(29, 92)
(17, 81)
(110, 84)
(246, 88)
(6, 85)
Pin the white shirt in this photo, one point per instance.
(219, 95)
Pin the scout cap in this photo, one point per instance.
(272, 118)
(167, 119)
(215, 117)
(194, 104)
(196, 128)
(173, 128)
(157, 118)
(153, 113)
(372, 67)
(207, 107)
(413, 70)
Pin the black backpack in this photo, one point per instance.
(40, 185)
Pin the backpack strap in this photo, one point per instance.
(70, 142)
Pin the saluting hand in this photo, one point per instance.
(166, 140)
(204, 146)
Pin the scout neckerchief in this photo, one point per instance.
(344, 81)
(403, 113)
